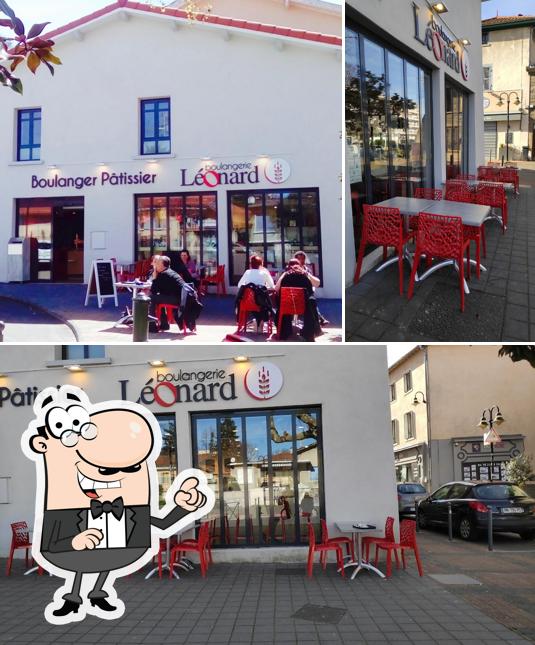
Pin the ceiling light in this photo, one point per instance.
(157, 363)
(241, 359)
(439, 7)
(74, 368)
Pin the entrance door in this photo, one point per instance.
(67, 243)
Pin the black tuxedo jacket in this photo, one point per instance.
(61, 526)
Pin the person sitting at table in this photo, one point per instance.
(257, 274)
(303, 261)
(166, 288)
(190, 265)
(296, 276)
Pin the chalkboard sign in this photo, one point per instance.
(102, 282)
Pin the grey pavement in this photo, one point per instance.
(61, 311)
(501, 305)
(256, 603)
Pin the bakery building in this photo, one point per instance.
(264, 428)
(414, 101)
(221, 141)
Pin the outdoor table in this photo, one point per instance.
(133, 287)
(184, 563)
(357, 529)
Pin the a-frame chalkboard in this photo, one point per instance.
(102, 282)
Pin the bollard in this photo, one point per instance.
(2, 327)
(450, 522)
(489, 530)
(140, 314)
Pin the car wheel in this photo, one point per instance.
(422, 521)
(467, 530)
(527, 535)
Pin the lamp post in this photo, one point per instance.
(415, 401)
(508, 96)
(495, 418)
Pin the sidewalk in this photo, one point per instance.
(62, 305)
(255, 603)
(501, 305)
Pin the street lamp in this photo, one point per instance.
(508, 96)
(495, 418)
(415, 400)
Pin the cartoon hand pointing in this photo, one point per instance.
(189, 497)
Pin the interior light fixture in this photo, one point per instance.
(157, 363)
(74, 368)
(241, 359)
(439, 7)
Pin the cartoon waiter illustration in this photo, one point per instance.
(97, 514)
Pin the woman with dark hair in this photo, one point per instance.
(191, 265)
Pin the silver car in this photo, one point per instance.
(408, 495)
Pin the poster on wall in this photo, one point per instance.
(354, 168)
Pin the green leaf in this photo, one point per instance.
(16, 85)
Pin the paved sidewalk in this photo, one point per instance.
(93, 325)
(255, 603)
(501, 305)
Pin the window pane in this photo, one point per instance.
(306, 429)
(37, 130)
(96, 351)
(311, 228)
(149, 125)
(163, 124)
(193, 225)
(283, 489)
(176, 221)
(273, 230)
(258, 478)
(209, 231)
(291, 221)
(149, 147)
(164, 147)
(238, 205)
(25, 133)
(398, 133)
(167, 460)
(427, 137)
(72, 352)
(207, 461)
(233, 482)
(413, 127)
(255, 223)
(25, 154)
(144, 249)
(159, 225)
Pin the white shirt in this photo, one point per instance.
(113, 530)
(260, 277)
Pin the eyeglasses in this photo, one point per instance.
(70, 438)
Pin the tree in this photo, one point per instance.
(519, 470)
(20, 47)
(519, 353)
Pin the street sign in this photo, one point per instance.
(491, 437)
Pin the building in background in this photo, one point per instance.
(414, 104)
(509, 72)
(437, 396)
(304, 446)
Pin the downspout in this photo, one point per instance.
(428, 412)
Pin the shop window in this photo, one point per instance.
(487, 77)
(29, 135)
(485, 37)
(407, 381)
(166, 224)
(410, 425)
(274, 224)
(395, 431)
(265, 468)
(392, 391)
(80, 352)
(166, 463)
(456, 131)
(156, 127)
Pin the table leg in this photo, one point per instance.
(165, 565)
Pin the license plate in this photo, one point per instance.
(512, 509)
(411, 509)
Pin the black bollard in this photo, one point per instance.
(450, 522)
(489, 530)
(140, 314)
(2, 327)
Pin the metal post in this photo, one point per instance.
(450, 522)
(489, 530)
(508, 126)
(140, 313)
(416, 506)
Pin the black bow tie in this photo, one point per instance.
(116, 507)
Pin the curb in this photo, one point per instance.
(61, 319)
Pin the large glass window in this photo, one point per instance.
(156, 127)
(166, 224)
(29, 135)
(166, 463)
(456, 135)
(266, 473)
(273, 224)
(75, 352)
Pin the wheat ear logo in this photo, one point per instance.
(263, 381)
(277, 171)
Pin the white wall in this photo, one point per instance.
(232, 100)
(350, 384)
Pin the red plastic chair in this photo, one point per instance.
(248, 305)
(200, 546)
(224, 531)
(462, 192)
(465, 176)
(388, 537)
(340, 540)
(459, 191)
(20, 539)
(384, 227)
(440, 236)
(217, 281)
(248, 530)
(510, 176)
(428, 193)
(488, 173)
(493, 195)
(291, 303)
(321, 549)
(407, 542)
(169, 312)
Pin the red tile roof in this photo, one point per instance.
(505, 20)
(207, 18)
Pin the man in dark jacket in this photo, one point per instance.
(166, 288)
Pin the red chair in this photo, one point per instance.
(322, 549)
(169, 312)
(428, 193)
(200, 546)
(340, 540)
(224, 531)
(20, 539)
(388, 537)
(217, 280)
(384, 227)
(248, 530)
(488, 173)
(510, 176)
(291, 303)
(458, 191)
(407, 542)
(465, 176)
(461, 192)
(493, 195)
(248, 305)
(440, 236)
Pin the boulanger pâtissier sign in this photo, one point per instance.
(208, 175)
(262, 381)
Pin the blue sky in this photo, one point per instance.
(507, 8)
(59, 12)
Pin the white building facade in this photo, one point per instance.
(162, 132)
(325, 451)
(414, 101)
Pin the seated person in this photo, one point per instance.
(190, 265)
(296, 276)
(165, 289)
(303, 261)
(257, 274)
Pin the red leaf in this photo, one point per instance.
(38, 29)
(6, 23)
(39, 43)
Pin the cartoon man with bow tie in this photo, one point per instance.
(97, 509)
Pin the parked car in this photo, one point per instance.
(408, 495)
(513, 510)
